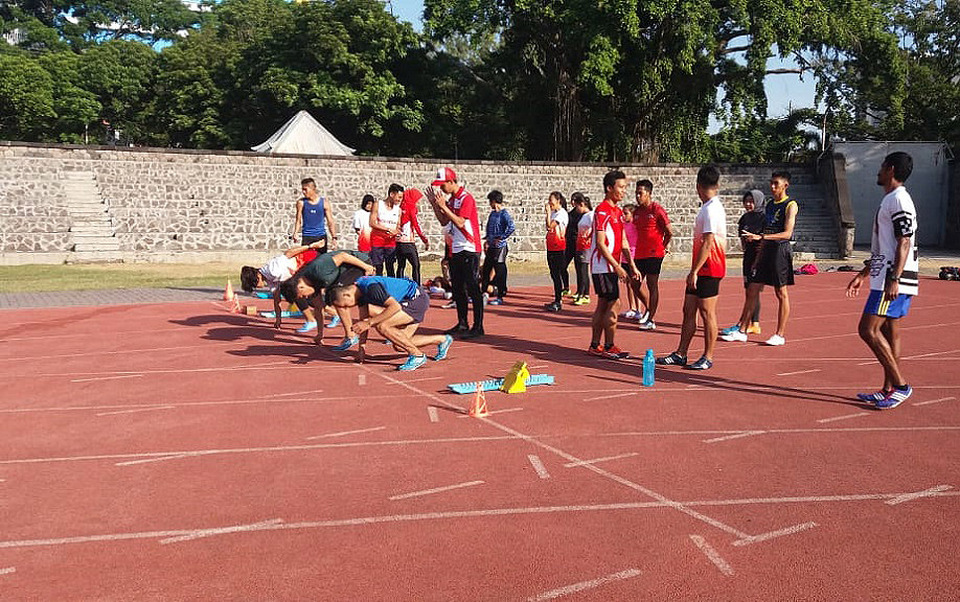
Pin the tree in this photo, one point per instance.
(26, 98)
(624, 81)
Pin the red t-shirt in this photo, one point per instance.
(607, 218)
(651, 223)
(466, 238)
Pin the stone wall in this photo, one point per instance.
(174, 203)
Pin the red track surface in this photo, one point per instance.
(182, 452)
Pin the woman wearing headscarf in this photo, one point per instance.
(752, 221)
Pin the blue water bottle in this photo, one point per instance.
(648, 366)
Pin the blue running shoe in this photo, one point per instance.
(674, 359)
(307, 327)
(872, 398)
(443, 347)
(334, 322)
(730, 329)
(347, 343)
(413, 362)
(895, 398)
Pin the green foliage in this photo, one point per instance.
(26, 98)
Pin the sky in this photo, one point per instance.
(783, 91)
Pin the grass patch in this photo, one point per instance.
(47, 278)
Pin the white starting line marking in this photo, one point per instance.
(492, 412)
(774, 534)
(159, 459)
(362, 379)
(844, 417)
(404, 496)
(222, 531)
(713, 555)
(485, 513)
(135, 410)
(584, 585)
(734, 436)
(538, 466)
(596, 460)
(909, 497)
(433, 414)
(796, 373)
(611, 396)
(926, 403)
(8, 570)
(87, 380)
(342, 433)
(418, 380)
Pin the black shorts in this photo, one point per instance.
(707, 286)
(648, 265)
(496, 255)
(309, 240)
(607, 286)
(417, 307)
(348, 275)
(382, 255)
(775, 266)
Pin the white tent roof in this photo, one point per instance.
(303, 135)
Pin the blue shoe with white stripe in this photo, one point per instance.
(413, 362)
(334, 322)
(895, 398)
(443, 347)
(347, 343)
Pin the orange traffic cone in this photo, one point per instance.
(479, 407)
(228, 292)
(236, 305)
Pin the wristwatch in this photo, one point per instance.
(892, 277)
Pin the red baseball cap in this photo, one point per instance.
(444, 174)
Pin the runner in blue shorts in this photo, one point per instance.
(892, 271)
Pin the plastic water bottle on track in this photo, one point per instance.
(649, 364)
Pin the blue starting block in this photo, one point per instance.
(283, 314)
(496, 383)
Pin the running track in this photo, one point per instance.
(177, 451)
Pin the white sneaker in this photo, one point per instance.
(629, 314)
(735, 335)
(643, 317)
(648, 325)
(775, 340)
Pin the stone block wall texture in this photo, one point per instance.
(172, 201)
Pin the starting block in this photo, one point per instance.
(283, 314)
(497, 384)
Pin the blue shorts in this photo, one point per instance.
(878, 305)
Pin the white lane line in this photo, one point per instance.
(362, 378)
(433, 414)
(99, 378)
(596, 460)
(926, 403)
(584, 585)
(844, 417)
(538, 366)
(492, 412)
(158, 459)
(135, 410)
(932, 353)
(222, 531)
(871, 362)
(611, 396)
(9, 570)
(404, 496)
(538, 466)
(342, 433)
(799, 372)
(734, 436)
(752, 539)
(908, 497)
(246, 450)
(419, 380)
(796, 431)
(430, 516)
(713, 555)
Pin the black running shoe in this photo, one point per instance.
(674, 359)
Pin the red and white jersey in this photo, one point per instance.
(607, 218)
(466, 238)
(652, 223)
(713, 219)
(389, 217)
